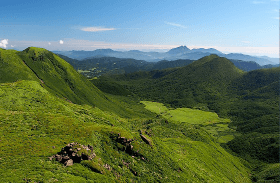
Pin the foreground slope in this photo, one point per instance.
(35, 125)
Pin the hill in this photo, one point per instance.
(38, 123)
(199, 83)
(55, 75)
(249, 99)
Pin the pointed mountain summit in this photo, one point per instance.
(179, 50)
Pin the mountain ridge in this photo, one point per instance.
(181, 52)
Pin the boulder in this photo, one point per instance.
(74, 153)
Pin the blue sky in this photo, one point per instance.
(243, 26)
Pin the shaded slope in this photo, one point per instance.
(256, 114)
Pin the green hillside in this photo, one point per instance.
(57, 76)
(35, 125)
(46, 104)
(12, 68)
(249, 99)
(201, 84)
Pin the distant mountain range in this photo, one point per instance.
(182, 52)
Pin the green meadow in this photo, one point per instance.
(210, 121)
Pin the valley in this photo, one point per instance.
(206, 121)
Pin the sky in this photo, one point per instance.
(231, 26)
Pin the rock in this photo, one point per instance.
(70, 154)
(146, 140)
(108, 167)
(69, 162)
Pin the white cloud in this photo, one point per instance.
(277, 18)
(49, 43)
(247, 42)
(4, 43)
(175, 24)
(61, 42)
(12, 46)
(96, 29)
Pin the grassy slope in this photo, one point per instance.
(209, 121)
(12, 68)
(249, 99)
(57, 76)
(35, 125)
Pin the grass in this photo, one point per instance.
(35, 124)
(210, 121)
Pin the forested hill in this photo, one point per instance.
(202, 82)
(250, 99)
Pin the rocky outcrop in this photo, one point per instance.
(74, 153)
(146, 140)
(127, 146)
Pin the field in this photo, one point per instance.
(210, 121)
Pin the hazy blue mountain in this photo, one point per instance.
(239, 56)
(179, 50)
(271, 66)
(209, 50)
(182, 52)
(274, 60)
(245, 65)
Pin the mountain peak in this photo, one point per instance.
(179, 50)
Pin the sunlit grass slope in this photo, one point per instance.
(209, 121)
(57, 76)
(35, 124)
(12, 68)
